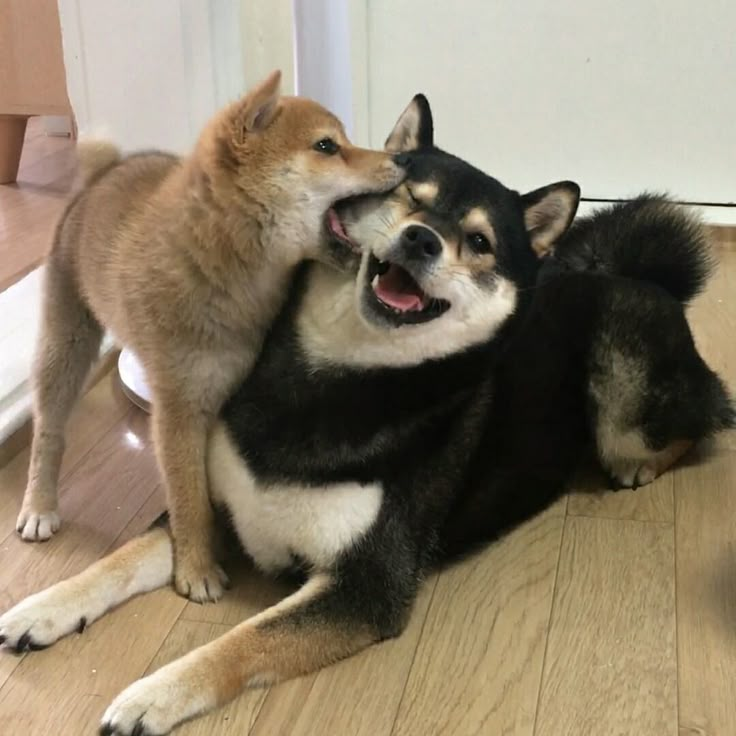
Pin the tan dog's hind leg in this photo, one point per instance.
(143, 564)
(306, 631)
(68, 345)
(180, 434)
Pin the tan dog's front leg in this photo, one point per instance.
(180, 436)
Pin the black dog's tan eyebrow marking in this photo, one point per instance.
(477, 221)
(424, 192)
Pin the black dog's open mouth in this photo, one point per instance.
(398, 297)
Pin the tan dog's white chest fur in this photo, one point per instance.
(276, 523)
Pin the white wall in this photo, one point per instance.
(619, 95)
(268, 41)
(149, 74)
(322, 48)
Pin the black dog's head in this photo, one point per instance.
(445, 255)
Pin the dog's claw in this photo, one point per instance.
(206, 587)
(37, 526)
(82, 625)
(23, 643)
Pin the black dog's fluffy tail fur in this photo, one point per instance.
(648, 239)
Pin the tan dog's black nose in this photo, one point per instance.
(402, 159)
(420, 243)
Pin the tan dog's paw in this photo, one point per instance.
(42, 619)
(200, 583)
(37, 526)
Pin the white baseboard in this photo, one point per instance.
(20, 306)
(711, 214)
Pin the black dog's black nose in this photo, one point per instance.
(420, 242)
(402, 159)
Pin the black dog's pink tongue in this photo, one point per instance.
(399, 290)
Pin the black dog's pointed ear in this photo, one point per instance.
(548, 212)
(414, 129)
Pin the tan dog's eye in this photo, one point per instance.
(479, 243)
(326, 146)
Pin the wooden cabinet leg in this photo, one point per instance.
(12, 133)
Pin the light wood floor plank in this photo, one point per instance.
(706, 595)
(652, 503)
(65, 689)
(101, 408)
(610, 667)
(97, 501)
(30, 207)
(713, 319)
(479, 661)
(111, 493)
(250, 593)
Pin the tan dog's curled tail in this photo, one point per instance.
(94, 156)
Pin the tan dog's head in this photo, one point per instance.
(286, 161)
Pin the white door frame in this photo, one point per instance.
(331, 59)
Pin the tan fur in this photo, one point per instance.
(186, 261)
(405, 135)
(548, 218)
(399, 211)
(641, 470)
(425, 193)
(283, 642)
(302, 633)
(143, 564)
(477, 221)
(295, 637)
(94, 156)
(670, 455)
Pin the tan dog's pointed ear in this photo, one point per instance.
(414, 129)
(259, 105)
(548, 212)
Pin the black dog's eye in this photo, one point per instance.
(326, 146)
(413, 201)
(479, 243)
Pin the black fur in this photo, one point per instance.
(471, 445)
(646, 259)
(649, 239)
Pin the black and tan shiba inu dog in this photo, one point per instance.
(416, 406)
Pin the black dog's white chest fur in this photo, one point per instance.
(277, 521)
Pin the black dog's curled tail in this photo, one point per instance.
(650, 238)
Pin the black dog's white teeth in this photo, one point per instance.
(377, 268)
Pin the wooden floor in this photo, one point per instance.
(29, 208)
(609, 615)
